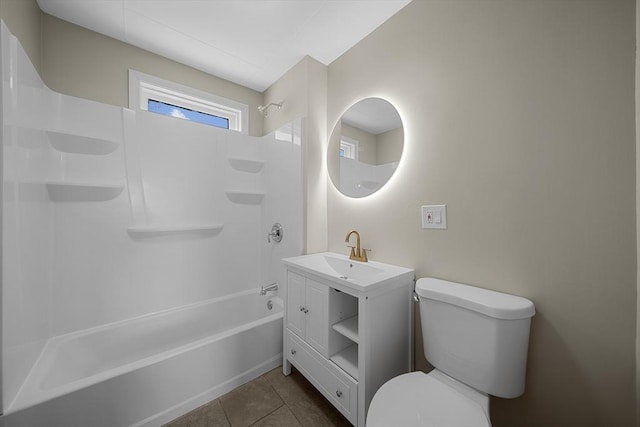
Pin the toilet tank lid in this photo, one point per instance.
(490, 303)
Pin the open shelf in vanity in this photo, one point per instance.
(348, 328)
(347, 359)
(343, 318)
(347, 336)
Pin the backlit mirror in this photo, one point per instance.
(365, 147)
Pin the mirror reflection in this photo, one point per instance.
(365, 147)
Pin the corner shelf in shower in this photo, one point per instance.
(69, 191)
(245, 197)
(162, 230)
(78, 144)
(245, 165)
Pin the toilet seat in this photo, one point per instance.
(419, 399)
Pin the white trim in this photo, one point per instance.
(143, 87)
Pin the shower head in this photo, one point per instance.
(263, 108)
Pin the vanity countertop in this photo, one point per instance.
(347, 273)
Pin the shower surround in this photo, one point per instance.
(112, 216)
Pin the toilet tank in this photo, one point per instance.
(477, 336)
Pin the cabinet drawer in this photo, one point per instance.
(339, 388)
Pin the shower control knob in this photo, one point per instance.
(338, 393)
(275, 233)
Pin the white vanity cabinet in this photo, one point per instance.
(307, 310)
(348, 327)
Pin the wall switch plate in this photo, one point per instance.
(434, 216)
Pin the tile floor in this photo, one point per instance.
(271, 400)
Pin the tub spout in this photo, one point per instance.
(271, 287)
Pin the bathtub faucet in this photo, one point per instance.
(271, 287)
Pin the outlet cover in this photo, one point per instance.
(434, 216)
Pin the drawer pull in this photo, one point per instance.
(305, 311)
(338, 393)
(293, 351)
(301, 308)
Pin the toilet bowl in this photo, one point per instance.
(477, 340)
(433, 399)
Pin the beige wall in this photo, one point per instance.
(520, 117)
(23, 19)
(333, 147)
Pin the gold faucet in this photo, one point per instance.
(356, 254)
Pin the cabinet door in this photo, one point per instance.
(317, 316)
(296, 300)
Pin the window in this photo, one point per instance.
(185, 113)
(172, 99)
(348, 148)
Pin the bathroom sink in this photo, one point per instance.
(349, 269)
(349, 273)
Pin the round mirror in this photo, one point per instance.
(365, 147)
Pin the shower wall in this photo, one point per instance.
(27, 231)
(110, 214)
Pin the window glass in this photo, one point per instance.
(187, 114)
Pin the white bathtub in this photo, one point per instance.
(149, 370)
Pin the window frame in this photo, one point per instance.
(353, 147)
(143, 87)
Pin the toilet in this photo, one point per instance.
(477, 341)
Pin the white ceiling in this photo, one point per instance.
(249, 42)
